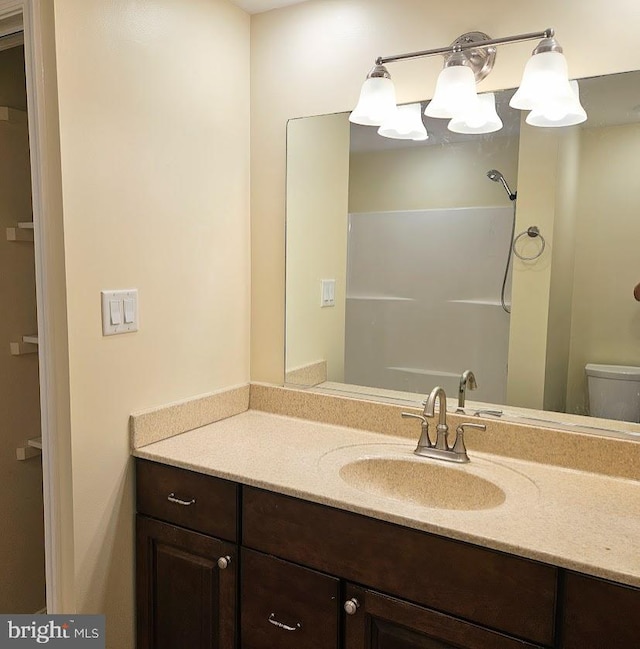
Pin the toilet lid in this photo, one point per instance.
(621, 372)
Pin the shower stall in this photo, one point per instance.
(427, 297)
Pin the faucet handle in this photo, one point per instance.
(411, 415)
(459, 448)
(424, 440)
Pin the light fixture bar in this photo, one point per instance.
(460, 47)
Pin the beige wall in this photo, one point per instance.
(539, 317)
(154, 113)
(317, 205)
(312, 58)
(606, 318)
(562, 273)
(22, 541)
(432, 176)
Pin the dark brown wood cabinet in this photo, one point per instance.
(599, 614)
(289, 567)
(377, 621)
(184, 597)
(446, 575)
(287, 606)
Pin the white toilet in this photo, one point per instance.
(614, 391)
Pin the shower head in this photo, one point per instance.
(497, 177)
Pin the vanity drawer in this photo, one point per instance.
(286, 606)
(193, 500)
(497, 590)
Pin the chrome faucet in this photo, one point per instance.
(442, 429)
(440, 449)
(466, 379)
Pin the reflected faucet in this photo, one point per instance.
(467, 379)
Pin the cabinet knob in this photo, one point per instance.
(223, 562)
(351, 606)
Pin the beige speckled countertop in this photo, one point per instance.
(573, 519)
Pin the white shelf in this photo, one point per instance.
(13, 115)
(31, 448)
(22, 232)
(28, 345)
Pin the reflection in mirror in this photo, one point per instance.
(401, 272)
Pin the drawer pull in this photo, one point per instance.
(280, 625)
(223, 562)
(185, 503)
(351, 606)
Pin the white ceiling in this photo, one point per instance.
(260, 6)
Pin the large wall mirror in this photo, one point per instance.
(401, 273)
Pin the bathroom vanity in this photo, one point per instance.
(227, 559)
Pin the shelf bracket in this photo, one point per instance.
(31, 448)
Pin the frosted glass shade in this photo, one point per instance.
(377, 102)
(455, 93)
(484, 120)
(563, 114)
(405, 124)
(545, 81)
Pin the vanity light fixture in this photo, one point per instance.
(566, 113)
(483, 120)
(545, 88)
(405, 124)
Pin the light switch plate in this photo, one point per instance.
(120, 307)
(328, 292)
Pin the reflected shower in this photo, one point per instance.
(496, 176)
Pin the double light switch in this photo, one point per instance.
(119, 312)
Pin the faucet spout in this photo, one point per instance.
(437, 394)
(442, 430)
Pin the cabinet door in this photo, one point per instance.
(184, 598)
(600, 614)
(284, 606)
(376, 621)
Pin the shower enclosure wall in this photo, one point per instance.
(423, 299)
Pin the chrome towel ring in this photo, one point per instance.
(534, 232)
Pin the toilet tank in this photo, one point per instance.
(614, 391)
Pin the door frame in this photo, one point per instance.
(29, 17)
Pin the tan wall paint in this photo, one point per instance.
(605, 275)
(311, 59)
(317, 202)
(562, 273)
(22, 541)
(432, 176)
(154, 110)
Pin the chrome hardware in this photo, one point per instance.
(223, 562)
(281, 625)
(442, 430)
(441, 449)
(351, 606)
(185, 503)
(459, 448)
(425, 440)
(466, 379)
